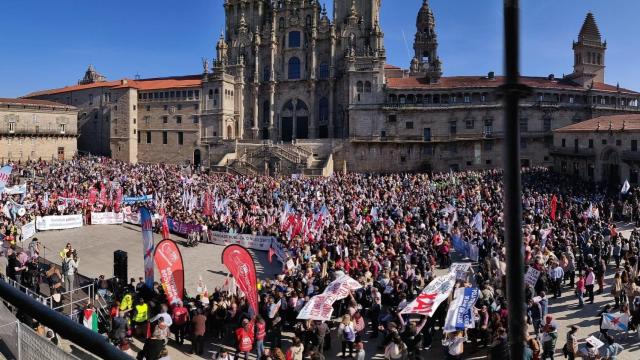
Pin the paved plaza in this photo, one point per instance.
(96, 244)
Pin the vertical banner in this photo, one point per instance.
(147, 242)
(460, 314)
(168, 259)
(241, 266)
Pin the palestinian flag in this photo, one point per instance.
(90, 319)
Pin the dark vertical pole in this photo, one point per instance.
(512, 185)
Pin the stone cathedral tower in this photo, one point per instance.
(589, 51)
(426, 62)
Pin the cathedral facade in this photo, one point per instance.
(294, 89)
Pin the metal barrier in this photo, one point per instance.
(83, 295)
(18, 341)
(41, 299)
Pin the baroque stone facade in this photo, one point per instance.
(285, 72)
(37, 129)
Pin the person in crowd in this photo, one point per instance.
(198, 330)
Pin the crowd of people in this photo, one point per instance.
(391, 233)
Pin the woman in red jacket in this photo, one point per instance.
(244, 339)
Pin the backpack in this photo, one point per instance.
(65, 266)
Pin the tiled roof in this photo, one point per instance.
(630, 122)
(389, 66)
(143, 84)
(164, 83)
(74, 88)
(463, 82)
(34, 102)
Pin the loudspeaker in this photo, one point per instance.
(120, 266)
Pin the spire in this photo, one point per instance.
(91, 76)
(589, 30)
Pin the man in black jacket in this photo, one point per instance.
(151, 350)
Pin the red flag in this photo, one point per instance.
(207, 210)
(118, 201)
(241, 266)
(271, 253)
(165, 225)
(554, 206)
(169, 263)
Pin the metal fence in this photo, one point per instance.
(18, 341)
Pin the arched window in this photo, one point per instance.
(393, 99)
(367, 87)
(266, 112)
(323, 110)
(360, 87)
(324, 71)
(281, 23)
(210, 93)
(266, 73)
(294, 68)
(294, 39)
(308, 21)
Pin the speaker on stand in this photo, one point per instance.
(120, 268)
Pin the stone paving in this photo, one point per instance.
(96, 245)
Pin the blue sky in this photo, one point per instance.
(47, 44)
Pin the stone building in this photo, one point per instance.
(37, 129)
(603, 149)
(292, 89)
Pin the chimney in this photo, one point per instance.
(491, 75)
(123, 82)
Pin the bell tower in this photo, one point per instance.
(426, 61)
(588, 54)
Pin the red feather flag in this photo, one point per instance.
(554, 207)
(241, 266)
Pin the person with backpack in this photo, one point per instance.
(347, 334)
(69, 268)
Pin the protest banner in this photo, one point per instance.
(248, 241)
(131, 217)
(460, 314)
(183, 228)
(460, 269)
(5, 173)
(107, 218)
(28, 230)
(147, 245)
(432, 296)
(241, 266)
(58, 222)
(136, 199)
(168, 259)
(320, 307)
(16, 190)
(531, 277)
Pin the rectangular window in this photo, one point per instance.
(165, 136)
(590, 143)
(148, 107)
(172, 94)
(409, 124)
(633, 176)
(426, 134)
(467, 99)
(546, 124)
(178, 119)
(294, 39)
(604, 141)
(634, 145)
(383, 134)
(469, 124)
(195, 119)
(63, 127)
(197, 94)
(134, 107)
(179, 107)
(148, 137)
(165, 119)
(618, 142)
(564, 142)
(571, 99)
(488, 146)
(393, 118)
(139, 137)
(523, 143)
(190, 94)
(524, 124)
(180, 138)
(453, 128)
(166, 107)
(161, 96)
(12, 127)
(196, 107)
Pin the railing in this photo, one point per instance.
(396, 105)
(41, 299)
(572, 151)
(33, 132)
(431, 139)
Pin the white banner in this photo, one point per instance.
(460, 269)
(460, 313)
(28, 230)
(248, 241)
(15, 190)
(58, 222)
(131, 217)
(107, 218)
(531, 277)
(432, 296)
(320, 307)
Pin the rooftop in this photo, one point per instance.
(142, 84)
(33, 102)
(614, 123)
(462, 82)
